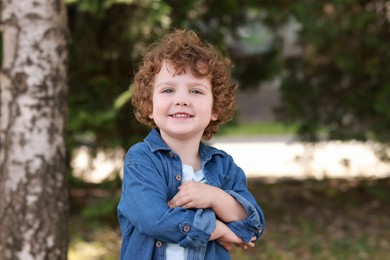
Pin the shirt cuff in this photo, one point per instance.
(251, 226)
(198, 233)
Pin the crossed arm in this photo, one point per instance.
(200, 195)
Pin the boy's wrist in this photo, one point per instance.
(218, 231)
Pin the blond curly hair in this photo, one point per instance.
(183, 49)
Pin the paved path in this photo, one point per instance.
(268, 157)
(281, 157)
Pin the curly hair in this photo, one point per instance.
(183, 49)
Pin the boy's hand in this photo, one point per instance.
(245, 245)
(193, 195)
(224, 241)
(199, 195)
(227, 238)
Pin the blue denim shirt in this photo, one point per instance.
(152, 176)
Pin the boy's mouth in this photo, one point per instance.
(181, 115)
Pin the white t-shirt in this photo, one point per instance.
(174, 251)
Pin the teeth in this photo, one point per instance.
(180, 115)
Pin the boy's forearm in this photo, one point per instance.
(218, 231)
(226, 207)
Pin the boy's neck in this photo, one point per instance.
(187, 149)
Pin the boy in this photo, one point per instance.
(182, 199)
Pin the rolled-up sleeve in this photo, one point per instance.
(251, 226)
(236, 186)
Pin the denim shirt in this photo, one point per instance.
(152, 176)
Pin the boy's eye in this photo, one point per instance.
(196, 91)
(168, 90)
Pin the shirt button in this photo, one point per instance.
(186, 228)
(178, 177)
(171, 154)
(260, 229)
(159, 244)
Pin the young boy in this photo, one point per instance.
(182, 199)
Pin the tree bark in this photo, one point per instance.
(33, 111)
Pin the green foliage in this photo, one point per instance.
(339, 83)
(100, 204)
(341, 80)
(105, 207)
(108, 39)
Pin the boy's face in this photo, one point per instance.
(182, 104)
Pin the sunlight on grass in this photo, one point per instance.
(258, 128)
(88, 250)
(93, 240)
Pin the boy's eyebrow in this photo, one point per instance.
(165, 83)
(172, 83)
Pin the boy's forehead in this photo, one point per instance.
(175, 68)
(170, 70)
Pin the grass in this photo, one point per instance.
(258, 128)
(311, 219)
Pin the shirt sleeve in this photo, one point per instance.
(143, 203)
(253, 225)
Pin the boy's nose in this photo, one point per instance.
(182, 102)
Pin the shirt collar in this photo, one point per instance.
(156, 143)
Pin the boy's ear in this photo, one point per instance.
(151, 115)
(214, 116)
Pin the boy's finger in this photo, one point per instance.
(251, 244)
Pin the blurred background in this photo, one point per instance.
(311, 129)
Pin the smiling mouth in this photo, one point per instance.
(181, 116)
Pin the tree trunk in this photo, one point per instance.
(33, 110)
